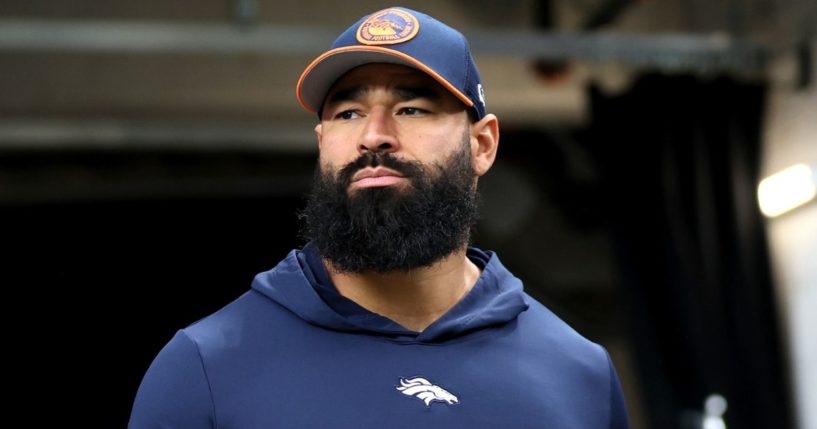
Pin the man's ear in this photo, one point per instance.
(319, 134)
(484, 143)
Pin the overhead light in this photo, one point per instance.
(787, 189)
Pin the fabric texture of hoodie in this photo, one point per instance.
(293, 353)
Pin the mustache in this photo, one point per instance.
(409, 169)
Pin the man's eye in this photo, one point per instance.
(410, 111)
(347, 114)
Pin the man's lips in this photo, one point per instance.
(373, 177)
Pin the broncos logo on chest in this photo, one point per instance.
(426, 391)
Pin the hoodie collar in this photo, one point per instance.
(301, 284)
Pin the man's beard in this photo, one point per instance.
(392, 228)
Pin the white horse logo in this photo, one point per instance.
(425, 391)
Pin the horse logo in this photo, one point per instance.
(426, 391)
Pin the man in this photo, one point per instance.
(386, 318)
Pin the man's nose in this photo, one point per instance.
(379, 134)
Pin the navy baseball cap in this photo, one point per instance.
(397, 35)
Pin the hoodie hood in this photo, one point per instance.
(300, 284)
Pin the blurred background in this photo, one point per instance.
(153, 158)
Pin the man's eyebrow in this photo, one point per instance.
(347, 94)
(407, 93)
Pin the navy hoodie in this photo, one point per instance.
(293, 353)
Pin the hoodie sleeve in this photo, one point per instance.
(175, 392)
(618, 409)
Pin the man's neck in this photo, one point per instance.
(414, 299)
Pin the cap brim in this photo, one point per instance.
(322, 73)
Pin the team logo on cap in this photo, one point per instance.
(388, 27)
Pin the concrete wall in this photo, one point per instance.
(790, 138)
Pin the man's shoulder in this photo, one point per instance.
(254, 309)
(248, 314)
(542, 323)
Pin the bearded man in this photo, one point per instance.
(386, 317)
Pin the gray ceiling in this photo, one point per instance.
(222, 73)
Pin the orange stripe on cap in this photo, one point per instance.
(408, 58)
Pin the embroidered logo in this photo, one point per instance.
(425, 391)
(387, 27)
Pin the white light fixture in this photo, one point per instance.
(787, 189)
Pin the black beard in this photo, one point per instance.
(392, 228)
